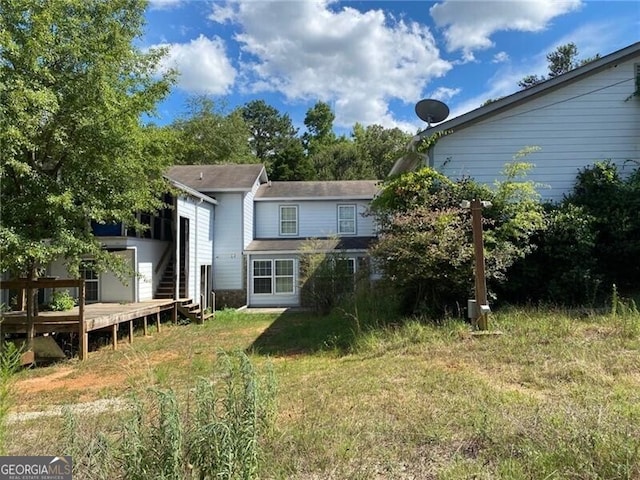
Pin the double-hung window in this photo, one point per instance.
(346, 219)
(288, 220)
(91, 281)
(273, 276)
(283, 276)
(262, 276)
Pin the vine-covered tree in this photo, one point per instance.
(73, 88)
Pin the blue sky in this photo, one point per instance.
(372, 60)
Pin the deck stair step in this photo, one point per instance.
(193, 312)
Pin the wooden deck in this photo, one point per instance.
(87, 318)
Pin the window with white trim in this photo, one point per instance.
(346, 219)
(284, 276)
(91, 281)
(262, 276)
(274, 276)
(288, 219)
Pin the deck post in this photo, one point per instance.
(202, 309)
(174, 313)
(158, 320)
(114, 336)
(130, 331)
(83, 336)
(30, 320)
(145, 326)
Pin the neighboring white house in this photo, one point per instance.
(287, 214)
(586, 115)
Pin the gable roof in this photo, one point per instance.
(218, 178)
(406, 162)
(317, 190)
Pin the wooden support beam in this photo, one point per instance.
(145, 326)
(130, 331)
(174, 313)
(83, 336)
(158, 321)
(114, 336)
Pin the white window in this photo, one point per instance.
(91, 282)
(284, 276)
(273, 276)
(288, 220)
(262, 276)
(346, 219)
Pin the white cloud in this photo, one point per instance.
(500, 57)
(468, 25)
(202, 64)
(444, 93)
(164, 4)
(357, 61)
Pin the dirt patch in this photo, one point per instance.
(60, 380)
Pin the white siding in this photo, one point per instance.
(576, 125)
(148, 255)
(248, 215)
(228, 242)
(112, 289)
(201, 237)
(317, 218)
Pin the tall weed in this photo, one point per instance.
(9, 364)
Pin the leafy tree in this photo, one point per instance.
(425, 245)
(562, 60)
(210, 136)
(270, 131)
(72, 91)
(290, 162)
(379, 147)
(340, 160)
(319, 122)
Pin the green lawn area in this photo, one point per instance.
(555, 396)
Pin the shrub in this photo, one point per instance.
(425, 243)
(61, 301)
(592, 241)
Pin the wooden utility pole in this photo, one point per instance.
(481, 315)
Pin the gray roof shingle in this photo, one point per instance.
(347, 189)
(322, 244)
(218, 178)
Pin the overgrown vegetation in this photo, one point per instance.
(10, 357)
(216, 430)
(556, 396)
(592, 242)
(425, 248)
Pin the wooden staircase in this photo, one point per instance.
(186, 307)
(193, 312)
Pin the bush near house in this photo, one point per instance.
(592, 243)
(425, 244)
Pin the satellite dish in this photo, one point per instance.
(431, 111)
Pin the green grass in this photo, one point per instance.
(555, 396)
